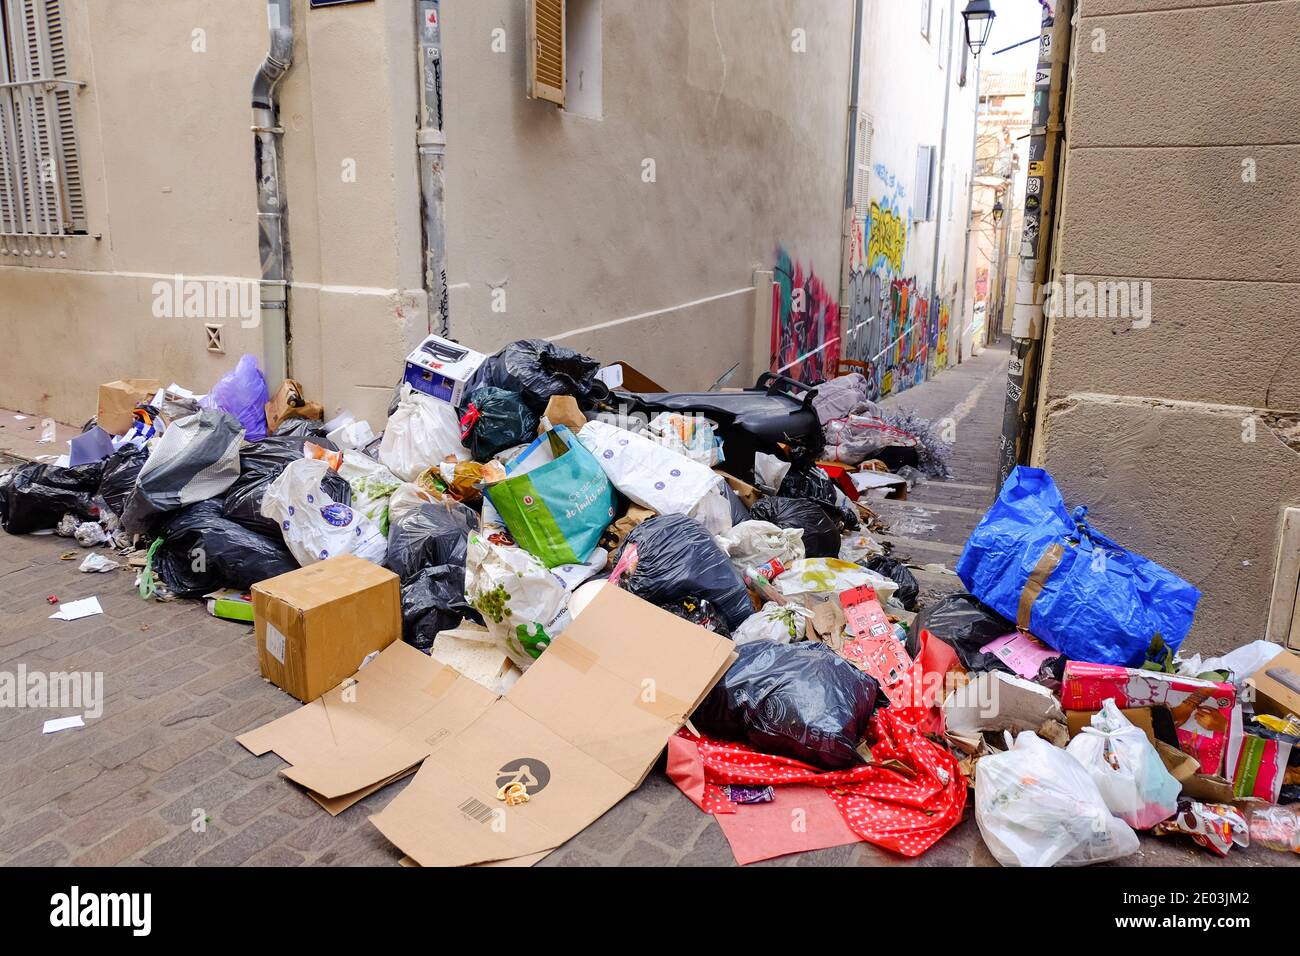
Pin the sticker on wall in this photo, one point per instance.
(1043, 76)
(1034, 186)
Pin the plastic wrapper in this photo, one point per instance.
(828, 577)
(121, 469)
(260, 463)
(201, 550)
(670, 557)
(821, 534)
(314, 525)
(1037, 806)
(965, 624)
(1277, 828)
(701, 612)
(241, 393)
(691, 436)
(422, 431)
(773, 622)
(433, 601)
(407, 498)
(37, 496)
(813, 484)
(647, 473)
(793, 700)
(522, 603)
(197, 458)
(493, 419)
(1126, 768)
(854, 439)
(538, 369)
(372, 486)
(1216, 826)
(898, 572)
(752, 544)
(428, 536)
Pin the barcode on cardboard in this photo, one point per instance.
(476, 810)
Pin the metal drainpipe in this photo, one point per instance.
(268, 158)
(846, 237)
(1025, 363)
(933, 313)
(970, 225)
(432, 143)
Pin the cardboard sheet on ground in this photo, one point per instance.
(372, 729)
(762, 831)
(580, 729)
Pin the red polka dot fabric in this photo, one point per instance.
(905, 800)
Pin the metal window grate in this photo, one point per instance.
(41, 188)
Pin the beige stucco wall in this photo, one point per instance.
(748, 139)
(1151, 426)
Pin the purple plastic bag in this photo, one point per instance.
(241, 392)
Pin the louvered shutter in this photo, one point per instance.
(546, 59)
(862, 172)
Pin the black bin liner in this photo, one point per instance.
(433, 600)
(37, 496)
(793, 700)
(430, 535)
(120, 471)
(676, 559)
(821, 534)
(538, 370)
(966, 624)
(203, 550)
(260, 463)
(812, 483)
(701, 612)
(909, 589)
(503, 421)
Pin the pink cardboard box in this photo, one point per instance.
(1202, 709)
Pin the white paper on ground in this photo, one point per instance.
(62, 723)
(74, 610)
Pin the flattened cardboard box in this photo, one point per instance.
(373, 728)
(316, 625)
(580, 729)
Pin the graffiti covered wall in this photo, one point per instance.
(805, 323)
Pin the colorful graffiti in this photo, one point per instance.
(887, 238)
(805, 323)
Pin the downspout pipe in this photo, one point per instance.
(431, 143)
(851, 171)
(933, 314)
(268, 161)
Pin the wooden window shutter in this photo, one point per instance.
(546, 60)
(862, 174)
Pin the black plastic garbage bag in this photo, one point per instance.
(898, 572)
(812, 483)
(203, 550)
(739, 512)
(196, 459)
(37, 496)
(967, 624)
(260, 463)
(794, 700)
(701, 612)
(676, 558)
(431, 535)
(120, 472)
(821, 534)
(308, 428)
(500, 420)
(537, 369)
(433, 600)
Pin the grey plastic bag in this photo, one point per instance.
(197, 458)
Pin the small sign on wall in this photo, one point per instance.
(334, 3)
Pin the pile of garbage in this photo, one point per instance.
(716, 553)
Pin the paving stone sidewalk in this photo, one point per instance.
(180, 685)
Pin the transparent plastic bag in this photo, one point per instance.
(1037, 806)
(1126, 768)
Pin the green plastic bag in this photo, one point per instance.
(555, 499)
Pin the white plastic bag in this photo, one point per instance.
(752, 544)
(523, 604)
(314, 525)
(1126, 769)
(825, 578)
(773, 623)
(372, 485)
(649, 474)
(1036, 806)
(421, 432)
(713, 511)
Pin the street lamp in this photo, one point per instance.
(998, 211)
(979, 23)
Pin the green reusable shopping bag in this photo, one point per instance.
(556, 509)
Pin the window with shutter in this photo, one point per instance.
(923, 193)
(546, 54)
(41, 188)
(862, 173)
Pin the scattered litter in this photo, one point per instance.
(54, 725)
(75, 610)
(97, 563)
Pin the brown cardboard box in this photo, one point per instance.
(580, 729)
(374, 728)
(117, 401)
(1277, 685)
(315, 625)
